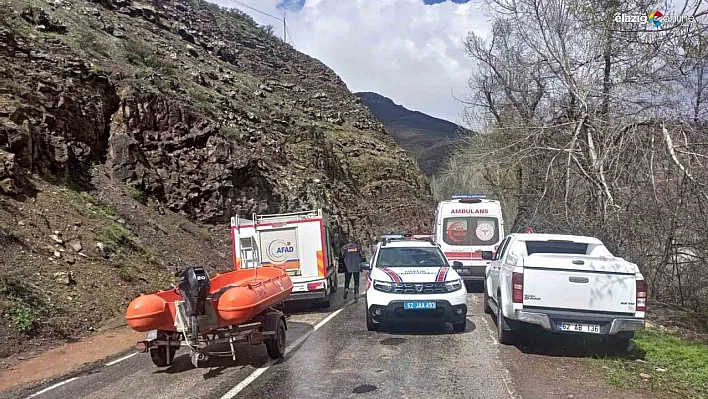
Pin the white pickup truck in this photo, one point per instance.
(563, 283)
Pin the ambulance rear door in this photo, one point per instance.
(467, 229)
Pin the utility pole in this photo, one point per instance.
(285, 28)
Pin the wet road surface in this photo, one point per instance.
(344, 360)
(339, 360)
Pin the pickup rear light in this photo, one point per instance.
(641, 295)
(315, 286)
(517, 287)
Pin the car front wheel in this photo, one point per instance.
(370, 325)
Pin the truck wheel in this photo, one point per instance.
(487, 308)
(324, 303)
(504, 337)
(276, 346)
(459, 327)
(335, 283)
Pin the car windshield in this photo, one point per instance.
(410, 257)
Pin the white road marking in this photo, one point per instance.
(256, 373)
(111, 363)
(57, 385)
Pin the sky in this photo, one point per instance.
(411, 51)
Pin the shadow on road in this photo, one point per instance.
(474, 287)
(539, 342)
(310, 306)
(306, 307)
(425, 329)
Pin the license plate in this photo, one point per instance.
(465, 271)
(579, 327)
(419, 305)
(299, 288)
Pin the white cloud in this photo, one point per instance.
(403, 49)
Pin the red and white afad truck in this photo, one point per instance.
(300, 242)
(465, 226)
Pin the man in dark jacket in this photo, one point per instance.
(350, 259)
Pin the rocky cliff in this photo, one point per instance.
(200, 108)
(172, 108)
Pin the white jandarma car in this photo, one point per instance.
(410, 280)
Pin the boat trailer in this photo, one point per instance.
(267, 328)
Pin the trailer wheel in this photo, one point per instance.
(276, 347)
(162, 356)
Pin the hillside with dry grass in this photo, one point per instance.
(131, 131)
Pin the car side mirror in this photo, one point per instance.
(457, 263)
(364, 266)
(487, 255)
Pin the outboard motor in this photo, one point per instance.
(194, 286)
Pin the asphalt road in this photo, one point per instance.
(330, 355)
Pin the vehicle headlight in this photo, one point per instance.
(383, 286)
(453, 285)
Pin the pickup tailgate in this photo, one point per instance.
(579, 282)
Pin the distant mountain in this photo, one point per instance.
(428, 139)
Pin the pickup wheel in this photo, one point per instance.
(504, 337)
(487, 308)
(620, 341)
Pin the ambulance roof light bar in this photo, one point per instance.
(386, 238)
(469, 196)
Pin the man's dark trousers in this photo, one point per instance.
(348, 276)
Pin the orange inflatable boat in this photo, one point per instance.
(236, 297)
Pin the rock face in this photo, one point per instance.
(200, 109)
(55, 116)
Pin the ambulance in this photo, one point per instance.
(300, 243)
(465, 226)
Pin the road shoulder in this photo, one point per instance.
(68, 359)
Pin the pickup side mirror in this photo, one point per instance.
(457, 263)
(364, 266)
(487, 255)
